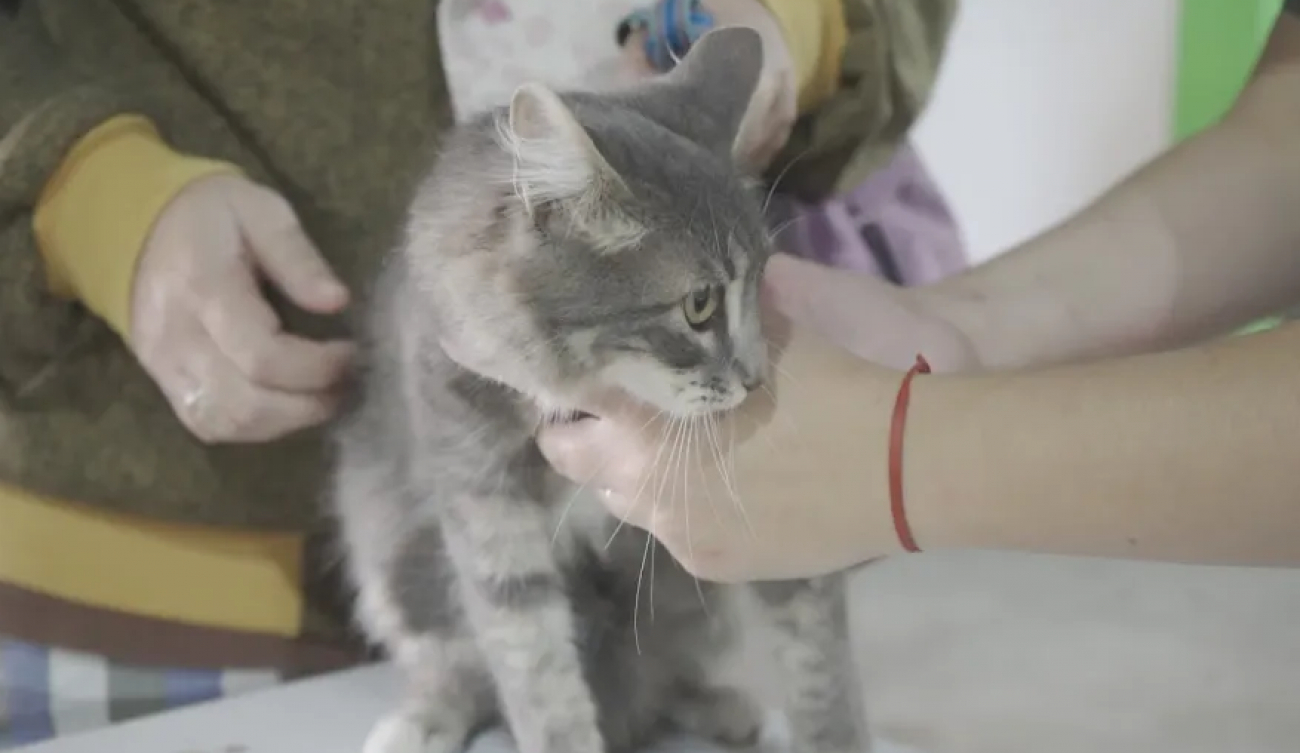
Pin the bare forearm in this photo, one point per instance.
(1190, 455)
(1200, 241)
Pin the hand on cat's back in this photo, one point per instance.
(774, 107)
(203, 329)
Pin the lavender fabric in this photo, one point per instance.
(896, 225)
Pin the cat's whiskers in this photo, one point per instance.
(680, 426)
(775, 232)
(645, 480)
(789, 420)
(679, 429)
(727, 475)
(640, 577)
(559, 523)
(716, 439)
(680, 444)
(706, 422)
(776, 182)
(736, 497)
(462, 441)
(783, 371)
(693, 423)
(636, 600)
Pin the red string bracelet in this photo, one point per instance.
(896, 455)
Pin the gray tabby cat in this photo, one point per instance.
(582, 239)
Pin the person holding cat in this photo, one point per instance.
(190, 193)
(1085, 404)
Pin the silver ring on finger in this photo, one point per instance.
(193, 400)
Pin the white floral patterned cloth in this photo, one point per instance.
(489, 47)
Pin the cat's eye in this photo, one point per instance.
(701, 306)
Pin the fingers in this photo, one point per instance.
(581, 451)
(285, 254)
(790, 283)
(203, 330)
(217, 404)
(834, 301)
(243, 326)
(614, 451)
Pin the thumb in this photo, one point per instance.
(573, 449)
(605, 447)
(284, 253)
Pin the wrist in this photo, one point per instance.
(867, 515)
(942, 467)
(96, 212)
(849, 402)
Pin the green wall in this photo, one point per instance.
(1218, 43)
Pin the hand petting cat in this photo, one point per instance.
(750, 495)
(202, 328)
(774, 108)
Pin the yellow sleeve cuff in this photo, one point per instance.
(96, 212)
(815, 33)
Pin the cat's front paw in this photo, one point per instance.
(404, 733)
(882, 745)
(395, 733)
(877, 745)
(724, 715)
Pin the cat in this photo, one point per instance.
(585, 239)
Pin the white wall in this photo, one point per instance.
(1042, 104)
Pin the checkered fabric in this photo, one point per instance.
(47, 692)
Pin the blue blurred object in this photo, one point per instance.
(671, 27)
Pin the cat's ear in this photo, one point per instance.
(721, 72)
(559, 169)
(554, 158)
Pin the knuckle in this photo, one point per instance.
(258, 364)
(242, 418)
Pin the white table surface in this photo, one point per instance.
(970, 653)
(330, 714)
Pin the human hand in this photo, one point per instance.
(774, 106)
(790, 484)
(867, 316)
(203, 330)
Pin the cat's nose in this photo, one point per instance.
(750, 372)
